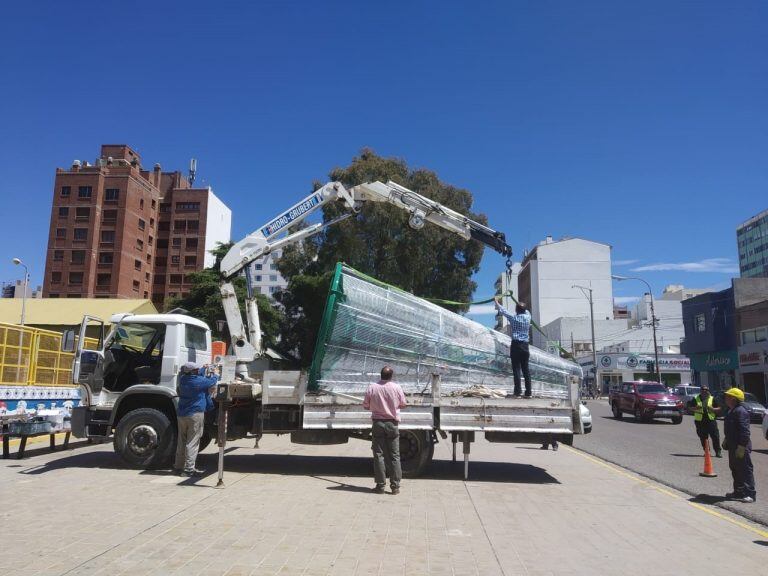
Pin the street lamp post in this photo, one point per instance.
(18, 262)
(653, 321)
(584, 291)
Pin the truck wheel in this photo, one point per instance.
(416, 451)
(638, 414)
(568, 440)
(145, 438)
(677, 420)
(616, 411)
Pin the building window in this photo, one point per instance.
(193, 224)
(66, 191)
(149, 258)
(273, 289)
(191, 243)
(188, 279)
(164, 226)
(177, 242)
(111, 194)
(175, 259)
(103, 279)
(137, 264)
(187, 206)
(273, 277)
(175, 278)
(753, 336)
(146, 276)
(146, 294)
(162, 243)
(161, 261)
(150, 240)
(55, 277)
(258, 266)
(272, 266)
(75, 278)
(139, 244)
(701, 323)
(190, 260)
(58, 255)
(106, 257)
(109, 216)
(179, 224)
(141, 204)
(107, 236)
(84, 191)
(159, 279)
(258, 278)
(78, 257)
(165, 207)
(63, 212)
(81, 234)
(151, 222)
(136, 285)
(154, 204)
(82, 214)
(142, 224)
(53, 295)
(61, 233)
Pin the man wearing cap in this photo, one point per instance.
(739, 445)
(705, 410)
(194, 400)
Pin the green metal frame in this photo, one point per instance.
(335, 293)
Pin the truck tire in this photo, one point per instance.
(568, 440)
(616, 411)
(638, 414)
(145, 438)
(416, 451)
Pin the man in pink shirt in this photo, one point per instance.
(384, 399)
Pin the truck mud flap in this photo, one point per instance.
(507, 419)
(355, 417)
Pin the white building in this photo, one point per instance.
(265, 276)
(550, 271)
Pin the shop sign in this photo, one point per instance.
(636, 361)
(715, 361)
(753, 357)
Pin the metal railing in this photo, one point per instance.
(32, 356)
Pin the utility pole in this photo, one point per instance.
(653, 322)
(584, 291)
(18, 262)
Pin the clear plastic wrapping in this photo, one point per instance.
(368, 324)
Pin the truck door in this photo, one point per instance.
(626, 399)
(87, 365)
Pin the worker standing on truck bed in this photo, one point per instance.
(520, 326)
(194, 401)
(705, 410)
(384, 399)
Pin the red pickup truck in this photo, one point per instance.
(646, 400)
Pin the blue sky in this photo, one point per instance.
(642, 125)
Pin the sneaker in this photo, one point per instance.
(528, 395)
(544, 447)
(718, 454)
(194, 473)
(395, 491)
(746, 499)
(378, 489)
(734, 495)
(555, 446)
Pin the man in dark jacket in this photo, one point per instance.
(194, 400)
(739, 445)
(705, 410)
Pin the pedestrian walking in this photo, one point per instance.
(519, 353)
(195, 389)
(705, 411)
(739, 446)
(384, 399)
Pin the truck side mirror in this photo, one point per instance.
(68, 341)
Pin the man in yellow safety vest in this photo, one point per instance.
(705, 410)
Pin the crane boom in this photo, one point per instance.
(246, 338)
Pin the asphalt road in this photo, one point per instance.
(671, 454)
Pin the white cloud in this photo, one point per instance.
(624, 262)
(721, 265)
(482, 310)
(622, 300)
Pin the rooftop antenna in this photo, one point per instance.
(192, 171)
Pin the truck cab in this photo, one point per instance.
(130, 383)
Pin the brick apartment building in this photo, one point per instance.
(119, 231)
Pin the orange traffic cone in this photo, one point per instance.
(708, 471)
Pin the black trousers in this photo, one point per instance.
(743, 473)
(708, 429)
(519, 353)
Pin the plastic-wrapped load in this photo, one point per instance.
(368, 324)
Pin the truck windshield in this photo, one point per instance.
(133, 355)
(651, 389)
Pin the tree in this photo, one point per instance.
(204, 300)
(430, 262)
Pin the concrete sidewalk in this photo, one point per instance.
(305, 510)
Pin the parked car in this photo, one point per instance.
(686, 394)
(751, 403)
(586, 417)
(765, 426)
(646, 400)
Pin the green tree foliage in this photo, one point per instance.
(204, 301)
(430, 262)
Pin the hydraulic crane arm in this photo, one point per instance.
(246, 339)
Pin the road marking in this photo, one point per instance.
(654, 486)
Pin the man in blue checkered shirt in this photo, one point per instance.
(520, 326)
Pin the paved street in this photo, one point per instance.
(672, 454)
(308, 510)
